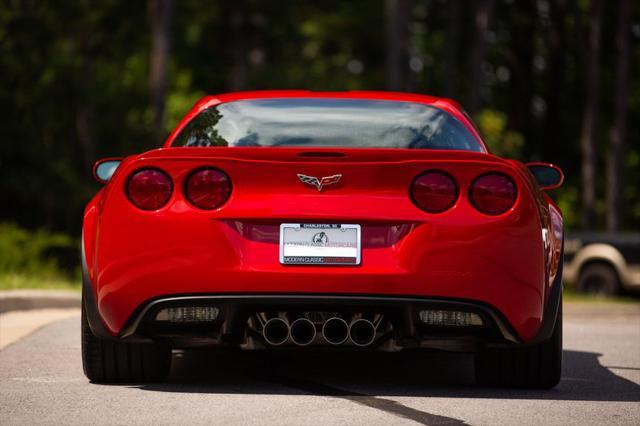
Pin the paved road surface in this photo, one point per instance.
(15, 325)
(41, 382)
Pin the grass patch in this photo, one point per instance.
(23, 282)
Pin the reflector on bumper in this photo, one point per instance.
(188, 314)
(450, 318)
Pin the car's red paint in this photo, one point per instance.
(507, 261)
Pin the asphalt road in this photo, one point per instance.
(41, 382)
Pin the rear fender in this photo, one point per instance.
(89, 304)
(89, 234)
(551, 225)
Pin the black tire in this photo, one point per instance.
(536, 366)
(110, 361)
(598, 278)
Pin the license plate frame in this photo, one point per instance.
(310, 249)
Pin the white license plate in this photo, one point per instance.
(319, 244)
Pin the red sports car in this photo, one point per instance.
(350, 220)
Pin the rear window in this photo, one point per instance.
(345, 123)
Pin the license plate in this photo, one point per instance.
(319, 244)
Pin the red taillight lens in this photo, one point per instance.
(149, 189)
(493, 193)
(434, 191)
(208, 189)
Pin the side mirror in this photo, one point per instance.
(105, 168)
(547, 175)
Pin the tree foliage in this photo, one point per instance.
(75, 81)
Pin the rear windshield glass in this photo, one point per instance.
(343, 123)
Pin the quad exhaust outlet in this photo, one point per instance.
(362, 332)
(276, 331)
(302, 331)
(335, 331)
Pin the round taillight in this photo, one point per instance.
(493, 193)
(149, 189)
(208, 189)
(434, 191)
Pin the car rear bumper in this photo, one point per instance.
(232, 327)
(499, 269)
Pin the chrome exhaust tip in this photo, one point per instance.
(302, 332)
(362, 332)
(335, 331)
(276, 331)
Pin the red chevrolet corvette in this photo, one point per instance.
(351, 220)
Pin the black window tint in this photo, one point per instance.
(327, 123)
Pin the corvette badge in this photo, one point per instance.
(319, 183)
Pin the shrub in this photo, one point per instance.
(38, 253)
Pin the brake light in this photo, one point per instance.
(149, 189)
(434, 191)
(208, 188)
(493, 193)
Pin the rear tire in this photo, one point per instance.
(111, 361)
(598, 278)
(537, 366)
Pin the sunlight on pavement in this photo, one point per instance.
(18, 324)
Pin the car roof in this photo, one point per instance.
(349, 94)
